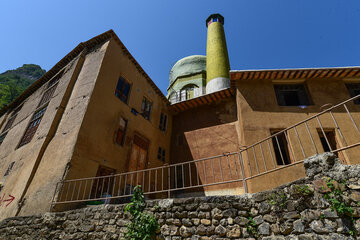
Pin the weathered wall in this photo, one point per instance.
(96, 143)
(42, 189)
(298, 215)
(259, 113)
(27, 156)
(39, 165)
(203, 132)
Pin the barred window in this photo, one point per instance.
(32, 127)
(12, 118)
(9, 123)
(292, 95)
(50, 89)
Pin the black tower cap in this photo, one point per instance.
(215, 15)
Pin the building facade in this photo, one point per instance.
(94, 113)
(97, 113)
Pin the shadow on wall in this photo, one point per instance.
(203, 132)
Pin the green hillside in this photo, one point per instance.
(14, 82)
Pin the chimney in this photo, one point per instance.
(217, 59)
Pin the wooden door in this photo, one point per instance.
(138, 160)
(103, 186)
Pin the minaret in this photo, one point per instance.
(217, 59)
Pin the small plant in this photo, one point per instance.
(336, 200)
(277, 199)
(251, 226)
(143, 226)
(337, 203)
(322, 216)
(303, 190)
(272, 199)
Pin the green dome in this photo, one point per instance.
(187, 66)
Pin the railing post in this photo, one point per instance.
(53, 198)
(243, 173)
(169, 182)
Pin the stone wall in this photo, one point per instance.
(293, 211)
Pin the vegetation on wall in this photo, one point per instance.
(143, 226)
(338, 204)
(14, 82)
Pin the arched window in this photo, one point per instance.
(188, 91)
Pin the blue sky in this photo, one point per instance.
(260, 33)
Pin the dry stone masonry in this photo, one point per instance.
(298, 210)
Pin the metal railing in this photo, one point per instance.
(161, 181)
(334, 129)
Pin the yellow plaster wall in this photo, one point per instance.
(96, 145)
(52, 163)
(258, 113)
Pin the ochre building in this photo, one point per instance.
(97, 113)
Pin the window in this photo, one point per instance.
(161, 154)
(103, 186)
(163, 122)
(12, 118)
(292, 95)
(120, 135)
(174, 97)
(281, 148)
(354, 90)
(328, 141)
(188, 92)
(146, 108)
(50, 89)
(33, 125)
(122, 90)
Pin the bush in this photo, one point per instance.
(143, 225)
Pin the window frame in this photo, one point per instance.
(188, 92)
(124, 131)
(50, 89)
(41, 108)
(163, 121)
(351, 88)
(161, 154)
(281, 147)
(32, 126)
(303, 89)
(121, 91)
(147, 116)
(12, 118)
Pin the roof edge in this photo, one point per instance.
(72, 55)
(289, 69)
